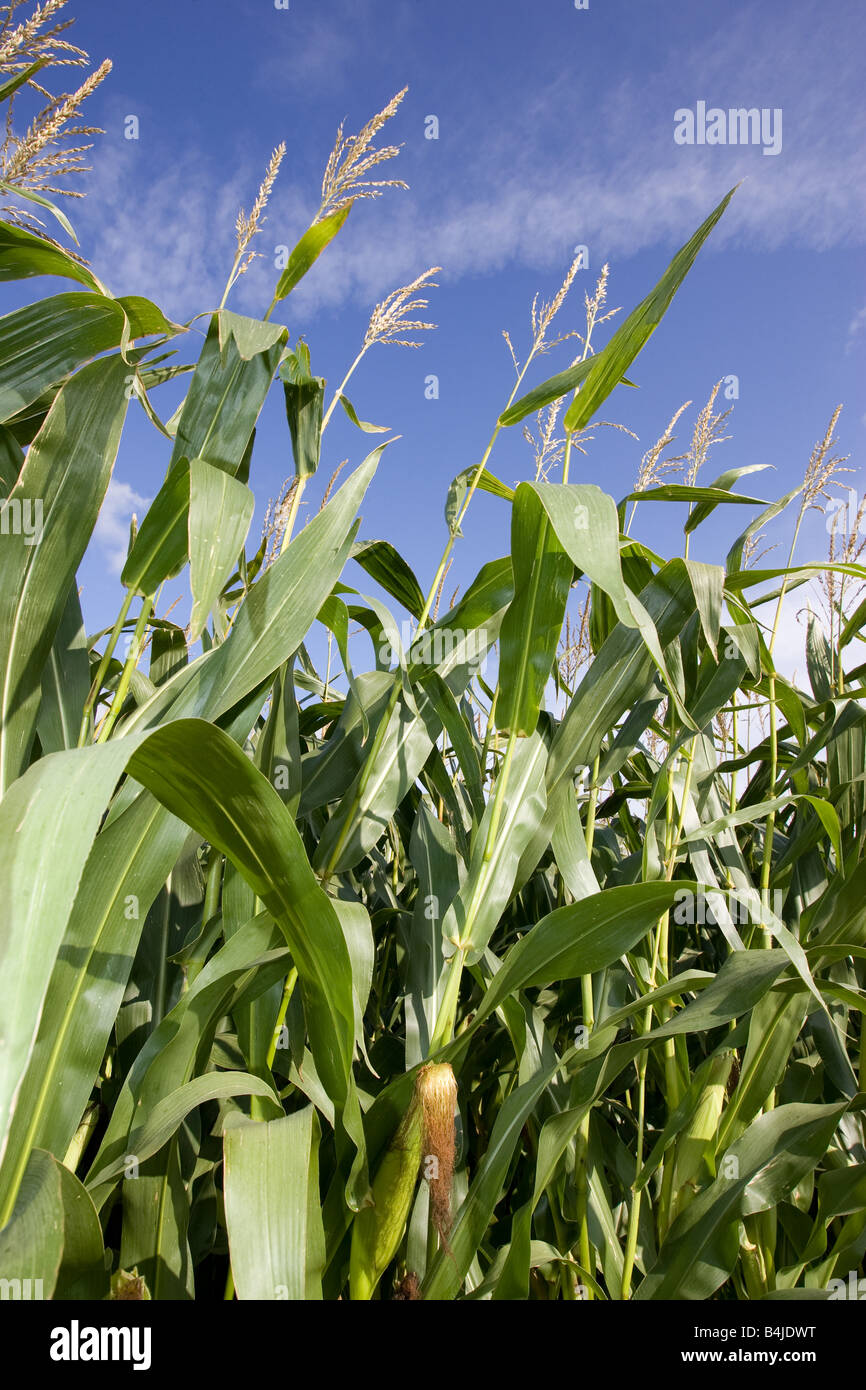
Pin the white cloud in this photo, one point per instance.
(520, 175)
(855, 327)
(112, 526)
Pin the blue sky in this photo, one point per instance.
(555, 128)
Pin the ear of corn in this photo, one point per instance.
(378, 1228)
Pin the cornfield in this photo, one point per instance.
(374, 948)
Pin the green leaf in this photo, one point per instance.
(250, 337)
(609, 365)
(618, 677)
(203, 777)
(472, 916)
(854, 625)
(708, 585)
(31, 1242)
(56, 499)
(65, 681)
(13, 84)
(709, 497)
(757, 1172)
(386, 565)
(274, 618)
(725, 482)
(32, 197)
(220, 512)
(42, 343)
(598, 375)
(361, 424)
(161, 545)
(532, 625)
(305, 398)
(487, 482)
(132, 857)
(434, 858)
(22, 254)
(222, 405)
(273, 1211)
(166, 1116)
(83, 1273)
(308, 250)
(551, 390)
(581, 939)
(371, 800)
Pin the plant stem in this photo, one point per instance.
(341, 388)
(288, 991)
(105, 660)
(293, 512)
(126, 674)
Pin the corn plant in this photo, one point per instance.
(520, 959)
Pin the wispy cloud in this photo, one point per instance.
(520, 178)
(855, 328)
(112, 527)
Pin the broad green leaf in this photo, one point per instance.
(474, 913)
(161, 545)
(597, 376)
(757, 1172)
(65, 681)
(42, 343)
(22, 254)
(51, 512)
(380, 785)
(249, 336)
(708, 582)
(384, 563)
(581, 939)
(273, 1212)
(220, 511)
(225, 396)
(164, 1118)
(533, 623)
(305, 398)
(725, 481)
(202, 776)
(609, 365)
(274, 617)
(619, 675)
(775, 1024)
(308, 250)
(709, 497)
(434, 858)
(31, 1242)
(585, 521)
(82, 1273)
(551, 390)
